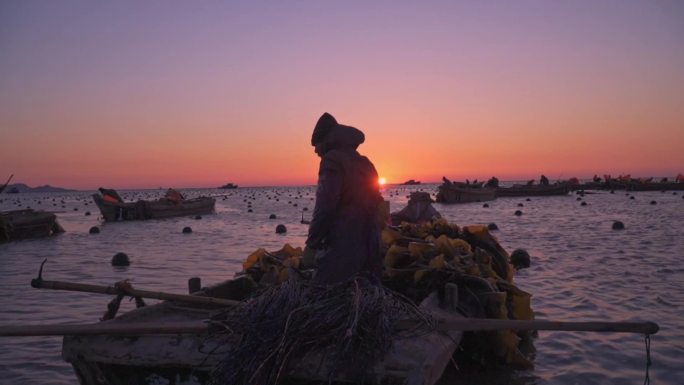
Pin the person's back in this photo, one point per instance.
(344, 222)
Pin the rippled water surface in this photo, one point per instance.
(581, 270)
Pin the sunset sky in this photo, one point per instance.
(142, 94)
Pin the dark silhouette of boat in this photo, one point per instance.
(411, 182)
(28, 223)
(229, 186)
(533, 190)
(459, 192)
(113, 208)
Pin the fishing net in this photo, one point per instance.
(342, 329)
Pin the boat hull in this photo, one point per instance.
(538, 190)
(453, 194)
(154, 359)
(26, 224)
(158, 209)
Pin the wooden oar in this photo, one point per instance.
(196, 327)
(71, 286)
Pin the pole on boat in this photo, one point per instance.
(6, 183)
(198, 327)
(40, 283)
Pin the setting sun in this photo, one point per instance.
(382, 181)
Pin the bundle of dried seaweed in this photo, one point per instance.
(352, 323)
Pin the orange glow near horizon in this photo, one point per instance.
(231, 92)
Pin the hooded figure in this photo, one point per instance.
(345, 226)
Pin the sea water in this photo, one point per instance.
(581, 270)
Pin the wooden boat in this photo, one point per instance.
(28, 223)
(534, 190)
(655, 186)
(189, 358)
(462, 193)
(157, 209)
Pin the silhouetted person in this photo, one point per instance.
(492, 182)
(345, 223)
(418, 210)
(544, 181)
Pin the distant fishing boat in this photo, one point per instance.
(533, 190)
(28, 223)
(113, 208)
(464, 193)
(411, 182)
(655, 186)
(229, 186)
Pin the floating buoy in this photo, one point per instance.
(632, 197)
(187, 230)
(94, 230)
(492, 226)
(198, 217)
(518, 212)
(272, 216)
(520, 205)
(485, 205)
(579, 199)
(654, 202)
(583, 204)
(520, 259)
(617, 225)
(120, 259)
(281, 229)
(249, 211)
(87, 213)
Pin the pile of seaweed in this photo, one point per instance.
(352, 323)
(289, 316)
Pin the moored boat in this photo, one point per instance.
(533, 190)
(113, 208)
(229, 186)
(460, 193)
(655, 186)
(191, 358)
(28, 223)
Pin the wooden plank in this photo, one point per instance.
(72, 286)
(193, 327)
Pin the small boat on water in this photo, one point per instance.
(113, 208)
(411, 182)
(190, 358)
(655, 186)
(463, 193)
(229, 186)
(28, 223)
(533, 190)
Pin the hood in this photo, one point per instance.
(334, 135)
(342, 136)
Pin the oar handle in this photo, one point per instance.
(71, 286)
(480, 324)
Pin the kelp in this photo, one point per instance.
(353, 323)
(419, 259)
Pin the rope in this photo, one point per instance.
(647, 341)
(124, 288)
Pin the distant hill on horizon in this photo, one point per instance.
(22, 188)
